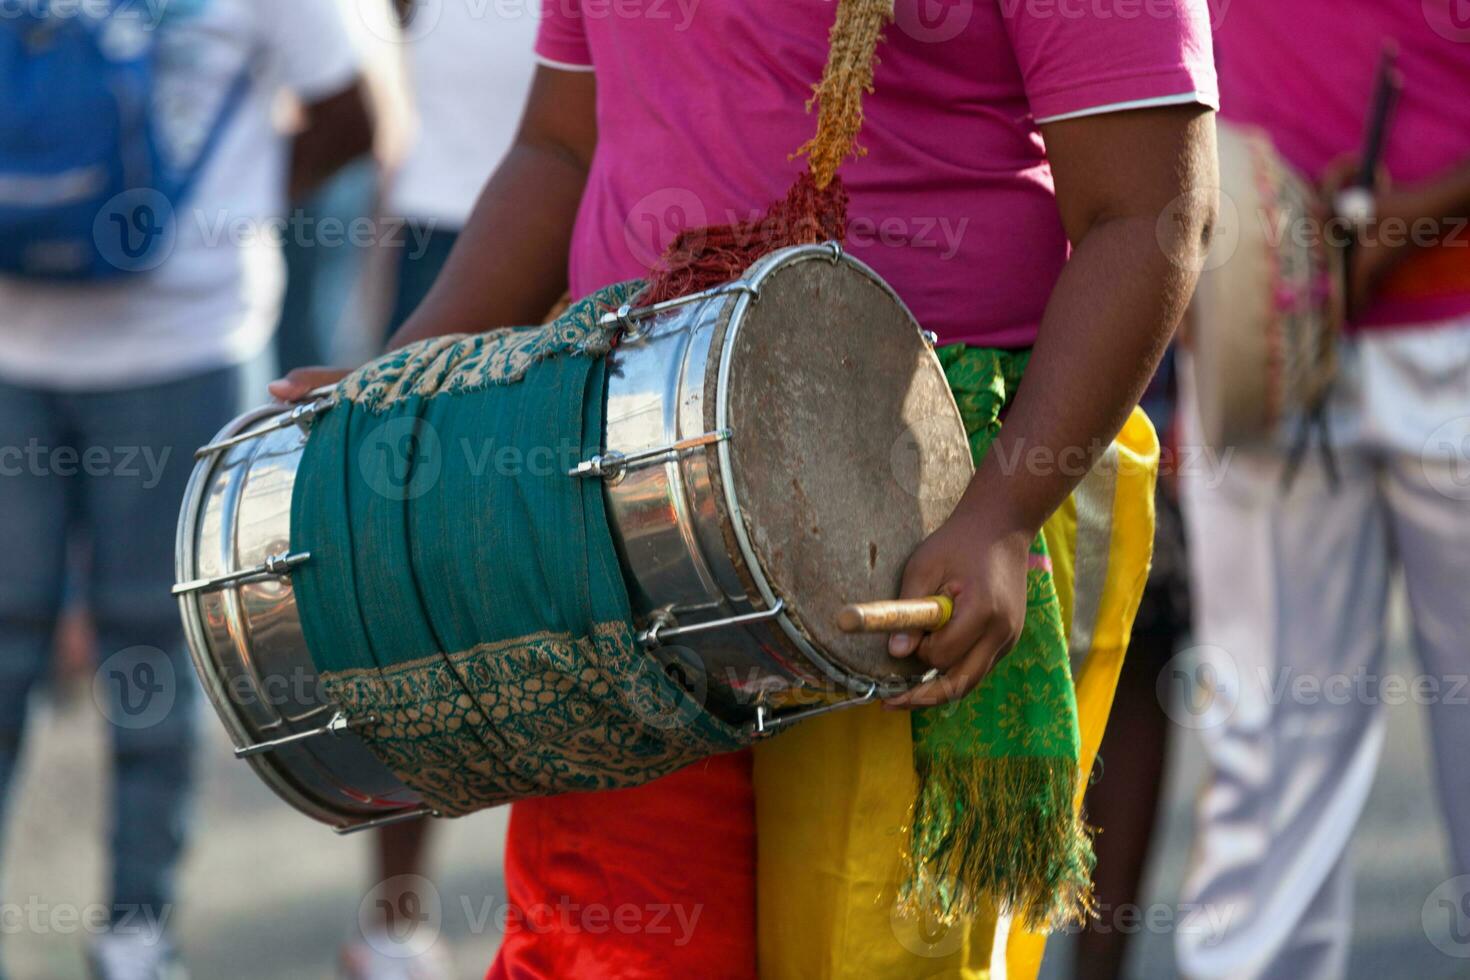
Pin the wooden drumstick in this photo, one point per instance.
(896, 615)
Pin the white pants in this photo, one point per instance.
(1290, 597)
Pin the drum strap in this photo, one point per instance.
(815, 208)
(1316, 417)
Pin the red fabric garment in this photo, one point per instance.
(656, 881)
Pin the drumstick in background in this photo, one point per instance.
(1356, 201)
(896, 615)
(1386, 91)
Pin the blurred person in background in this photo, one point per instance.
(330, 261)
(1123, 798)
(469, 69)
(122, 350)
(1293, 584)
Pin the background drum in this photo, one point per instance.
(1259, 347)
(775, 449)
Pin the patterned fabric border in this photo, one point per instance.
(461, 363)
(533, 716)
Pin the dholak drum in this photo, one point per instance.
(1263, 322)
(775, 448)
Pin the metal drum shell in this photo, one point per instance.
(245, 638)
(679, 526)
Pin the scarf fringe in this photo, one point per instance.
(998, 833)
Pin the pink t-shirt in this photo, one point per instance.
(1303, 70)
(700, 104)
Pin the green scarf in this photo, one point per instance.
(995, 821)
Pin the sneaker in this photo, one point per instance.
(114, 956)
(374, 959)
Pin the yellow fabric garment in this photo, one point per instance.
(833, 795)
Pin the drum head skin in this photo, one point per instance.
(847, 447)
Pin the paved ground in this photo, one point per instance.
(270, 895)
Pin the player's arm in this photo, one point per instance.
(333, 132)
(1407, 218)
(509, 265)
(1136, 192)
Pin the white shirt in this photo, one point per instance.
(215, 299)
(469, 69)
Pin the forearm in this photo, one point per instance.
(1439, 199)
(1137, 193)
(1110, 317)
(314, 161)
(509, 265)
(332, 133)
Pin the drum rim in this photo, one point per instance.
(831, 252)
(277, 776)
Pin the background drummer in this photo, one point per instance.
(1293, 585)
(104, 389)
(617, 153)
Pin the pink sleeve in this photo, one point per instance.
(562, 36)
(1084, 58)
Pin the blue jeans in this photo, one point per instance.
(114, 466)
(417, 270)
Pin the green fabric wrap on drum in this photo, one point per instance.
(464, 591)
